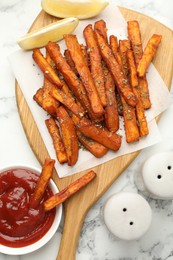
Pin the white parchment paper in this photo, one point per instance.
(30, 79)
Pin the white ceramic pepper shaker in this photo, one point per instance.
(156, 176)
(127, 215)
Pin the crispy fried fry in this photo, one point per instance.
(95, 62)
(140, 113)
(100, 135)
(116, 71)
(136, 43)
(66, 89)
(100, 27)
(57, 140)
(124, 46)
(85, 75)
(50, 61)
(68, 135)
(38, 97)
(115, 49)
(42, 183)
(130, 122)
(144, 92)
(98, 150)
(68, 92)
(70, 77)
(49, 103)
(70, 61)
(72, 188)
(67, 101)
(134, 35)
(111, 109)
(148, 55)
(85, 54)
(48, 71)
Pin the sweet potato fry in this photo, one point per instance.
(84, 72)
(144, 92)
(100, 27)
(38, 97)
(136, 43)
(148, 55)
(72, 188)
(69, 94)
(116, 71)
(85, 54)
(57, 140)
(95, 62)
(98, 150)
(66, 89)
(70, 77)
(115, 49)
(130, 122)
(68, 135)
(140, 113)
(49, 103)
(128, 112)
(67, 101)
(42, 183)
(48, 71)
(134, 36)
(124, 46)
(50, 61)
(70, 62)
(106, 138)
(111, 109)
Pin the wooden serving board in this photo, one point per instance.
(76, 207)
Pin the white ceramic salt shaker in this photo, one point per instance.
(127, 215)
(156, 177)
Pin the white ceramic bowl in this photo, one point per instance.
(38, 244)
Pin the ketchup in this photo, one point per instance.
(21, 225)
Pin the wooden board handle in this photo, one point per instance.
(73, 221)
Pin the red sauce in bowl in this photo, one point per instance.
(21, 225)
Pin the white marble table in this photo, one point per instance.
(95, 243)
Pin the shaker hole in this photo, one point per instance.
(124, 209)
(169, 167)
(159, 176)
(131, 223)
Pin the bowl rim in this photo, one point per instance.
(49, 234)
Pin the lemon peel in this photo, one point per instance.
(81, 9)
(51, 32)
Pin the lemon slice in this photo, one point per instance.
(51, 32)
(81, 9)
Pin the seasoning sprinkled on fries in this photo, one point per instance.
(91, 87)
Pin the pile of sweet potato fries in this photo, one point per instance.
(87, 89)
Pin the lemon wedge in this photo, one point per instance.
(81, 9)
(51, 32)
